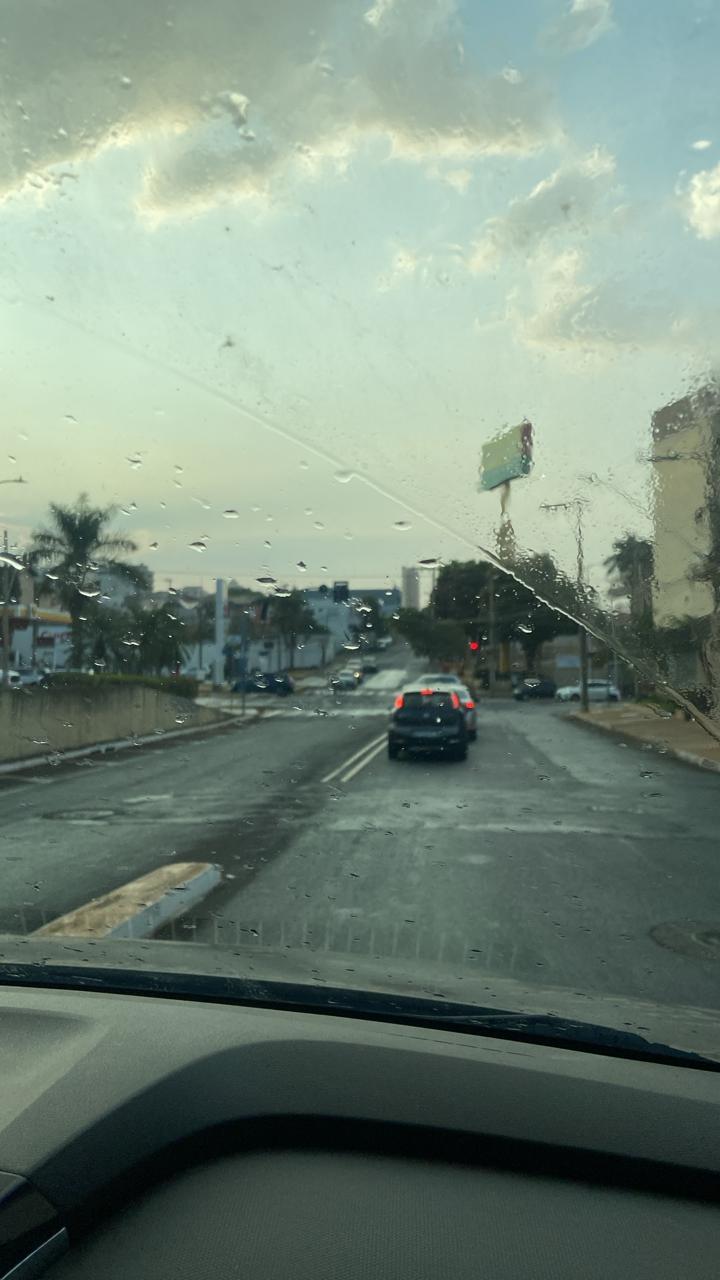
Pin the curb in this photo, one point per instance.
(140, 907)
(115, 744)
(676, 753)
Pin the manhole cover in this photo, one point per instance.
(689, 938)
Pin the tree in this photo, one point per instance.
(106, 634)
(438, 640)
(292, 618)
(78, 546)
(370, 623)
(156, 636)
(633, 563)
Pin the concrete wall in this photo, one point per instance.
(35, 722)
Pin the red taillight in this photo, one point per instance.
(427, 693)
(470, 705)
(455, 700)
(399, 702)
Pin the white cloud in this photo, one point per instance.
(560, 308)
(702, 203)
(404, 265)
(228, 94)
(580, 26)
(701, 144)
(566, 201)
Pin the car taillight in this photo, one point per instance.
(455, 700)
(469, 705)
(426, 693)
(399, 702)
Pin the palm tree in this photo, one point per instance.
(77, 546)
(633, 562)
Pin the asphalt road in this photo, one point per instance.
(553, 855)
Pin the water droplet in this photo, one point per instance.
(231, 514)
(70, 417)
(132, 644)
(281, 592)
(303, 465)
(344, 477)
(526, 630)
(324, 568)
(13, 563)
(351, 644)
(308, 511)
(197, 546)
(318, 524)
(125, 82)
(402, 526)
(255, 510)
(89, 593)
(135, 461)
(54, 577)
(266, 580)
(348, 537)
(301, 565)
(153, 546)
(430, 562)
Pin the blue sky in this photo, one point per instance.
(267, 242)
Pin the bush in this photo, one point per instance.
(180, 686)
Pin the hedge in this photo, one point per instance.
(180, 686)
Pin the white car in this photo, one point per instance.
(598, 691)
(437, 679)
(470, 708)
(345, 679)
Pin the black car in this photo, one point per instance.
(535, 687)
(428, 720)
(278, 682)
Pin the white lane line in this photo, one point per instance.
(365, 760)
(350, 760)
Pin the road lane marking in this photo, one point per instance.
(351, 759)
(366, 760)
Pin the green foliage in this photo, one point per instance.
(292, 618)
(180, 686)
(438, 640)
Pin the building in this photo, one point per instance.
(411, 588)
(683, 435)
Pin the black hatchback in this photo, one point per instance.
(428, 720)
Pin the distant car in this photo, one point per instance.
(468, 704)
(598, 691)
(345, 679)
(278, 682)
(28, 678)
(535, 687)
(432, 679)
(283, 684)
(426, 719)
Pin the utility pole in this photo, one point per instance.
(576, 506)
(6, 590)
(219, 633)
(492, 631)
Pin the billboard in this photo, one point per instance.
(507, 456)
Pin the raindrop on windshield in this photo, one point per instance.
(525, 628)
(197, 546)
(132, 644)
(318, 524)
(431, 562)
(402, 526)
(13, 563)
(135, 461)
(70, 417)
(302, 566)
(153, 546)
(125, 82)
(266, 580)
(89, 593)
(344, 477)
(231, 514)
(303, 465)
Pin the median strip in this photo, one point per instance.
(140, 907)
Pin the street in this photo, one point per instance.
(554, 854)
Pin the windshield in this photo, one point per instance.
(356, 346)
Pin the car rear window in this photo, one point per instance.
(413, 701)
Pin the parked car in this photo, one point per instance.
(426, 719)
(278, 682)
(598, 691)
(468, 704)
(369, 667)
(535, 687)
(345, 679)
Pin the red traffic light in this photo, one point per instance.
(474, 644)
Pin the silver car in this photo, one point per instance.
(598, 691)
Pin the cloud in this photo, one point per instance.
(567, 200)
(702, 203)
(229, 96)
(701, 144)
(560, 308)
(580, 26)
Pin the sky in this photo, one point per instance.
(273, 272)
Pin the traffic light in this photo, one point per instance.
(474, 645)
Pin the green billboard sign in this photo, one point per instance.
(507, 456)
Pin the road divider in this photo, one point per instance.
(372, 746)
(140, 907)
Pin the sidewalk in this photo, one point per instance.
(641, 726)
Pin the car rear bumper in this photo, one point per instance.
(417, 740)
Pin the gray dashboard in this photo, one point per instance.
(173, 1137)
